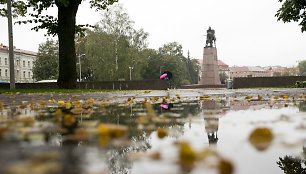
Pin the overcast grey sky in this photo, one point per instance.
(247, 31)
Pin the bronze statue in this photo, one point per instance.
(210, 38)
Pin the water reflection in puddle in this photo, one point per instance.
(238, 136)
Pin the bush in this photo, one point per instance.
(300, 84)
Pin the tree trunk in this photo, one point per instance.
(66, 31)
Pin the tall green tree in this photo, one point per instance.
(114, 46)
(223, 77)
(100, 54)
(170, 57)
(46, 64)
(302, 67)
(64, 26)
(175, 62)
(126, 39)
(293, 10)
(193, 69)
(154, 64)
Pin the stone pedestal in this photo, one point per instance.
(210, 69)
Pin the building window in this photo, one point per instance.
(5, 61)
(29, 63)
(23, 62)
(17, 62)
(29, 74)
(0, 61)
(0, 72)
(23, 74)
(5, 72)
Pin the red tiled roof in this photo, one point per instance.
(247, 69)
(222, 65)
(20, 51)
(282, 70)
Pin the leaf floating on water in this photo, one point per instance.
(22, 106)
(108, 131)
(113, 130)
(155, 156)
(58, 112)
(129, 100)
(79, 135)
(69, 120)
(156, 98)
(187, 155)
(90, 100)
(76, 103)
(225, 167)
(103, 135)
(261, 138)
(145, 101)
(3, 130)
(68, 105)
(161, 133)
(60, 102)
(142, 120)
(77, 111)
(259, 97)
(248, 97)
(27, 121)
(284, 96)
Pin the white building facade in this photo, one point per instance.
(23, 65)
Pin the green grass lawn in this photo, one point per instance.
(52, 90)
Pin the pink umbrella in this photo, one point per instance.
(164, 106)
(163, 76)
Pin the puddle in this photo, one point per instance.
(207, 135)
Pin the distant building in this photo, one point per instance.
(222, 67)
(248, 71)
(23, 65)
(282, 71)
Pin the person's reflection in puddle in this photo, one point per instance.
(211, 119)
(302, 106)
(166, 106)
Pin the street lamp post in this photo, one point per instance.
(131, 72)
(80, 66)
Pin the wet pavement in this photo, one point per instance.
(176, 131)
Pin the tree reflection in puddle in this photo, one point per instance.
(293, 165)
(68, 139)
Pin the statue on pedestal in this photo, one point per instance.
(210, 38)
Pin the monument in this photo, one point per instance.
(210, 69)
